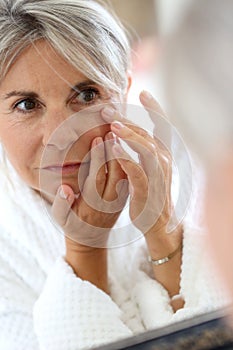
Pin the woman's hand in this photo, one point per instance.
(86, 219)
(150, 190)
(149, 179)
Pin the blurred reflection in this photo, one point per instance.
(199, 86)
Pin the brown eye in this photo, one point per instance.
(88, 96)
(26, 105)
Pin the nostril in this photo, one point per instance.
(62, 138)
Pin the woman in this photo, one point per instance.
(59, 57)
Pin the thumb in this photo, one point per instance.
(62, 204)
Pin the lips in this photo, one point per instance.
(64, 169)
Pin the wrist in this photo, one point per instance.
(88, 263)
(167, 258)
(73, 247)
(79, 255)
(161, 243)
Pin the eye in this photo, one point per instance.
(26, 105)
(87, 96)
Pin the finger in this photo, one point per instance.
(162, 129)
(150, 103)
(147, 151)
(136, 175)
(94, 185)
(132, 138)
(150, 151)
(83, 173)
(62, 204)
(139, 140)
(148, 197)
(155, 165)
(138, 178)
(110, 115)
(115, 173)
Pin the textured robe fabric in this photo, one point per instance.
(45, 306)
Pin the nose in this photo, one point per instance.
(57, 131)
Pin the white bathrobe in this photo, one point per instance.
(45, 306)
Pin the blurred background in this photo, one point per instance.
(148, 23)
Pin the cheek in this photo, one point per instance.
(19, 144)
(11, 142)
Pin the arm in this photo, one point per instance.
(150, 202)
(88, 263)
(200, 284)
(85, 221)
(168, 274)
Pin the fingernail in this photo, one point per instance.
(147, 95)
(111, 137)
(62, 194)
(109, 112)
(98, 141)
(117, 125)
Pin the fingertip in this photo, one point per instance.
(145, 97)
(62, 204)
(150, 103)
(66, 192)
(96, 142)
(62, 193)
(108, 112)
(110, 136)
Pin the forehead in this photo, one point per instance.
(40, 64)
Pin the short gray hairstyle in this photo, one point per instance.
(199, 75)
(82, 31)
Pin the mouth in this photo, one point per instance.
(64, 169)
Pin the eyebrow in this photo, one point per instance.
(82, 85)
(30, 94)
(78, 87)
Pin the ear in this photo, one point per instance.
(129, 78)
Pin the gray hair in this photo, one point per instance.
(82, 31)
(199, 76)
